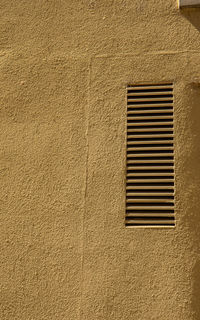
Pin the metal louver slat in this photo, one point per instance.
(151, 188)
(152, 141)
(148, 215)
(149, 174)
(146, 99)
(152, 130)
(150, 156)
(146, 169)
(149, 162)
(136, 200)
(137, 93)
(165, 221)
(150, 181)
(149, 111)
(154, 155)
(135, 118)
(150, 194)
(145, 124)
(157, 106)
(149, 149)
(151, 87)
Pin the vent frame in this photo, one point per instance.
(158, 99)
(188, 4)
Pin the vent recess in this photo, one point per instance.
(150, 156)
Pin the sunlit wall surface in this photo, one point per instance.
(65, 252)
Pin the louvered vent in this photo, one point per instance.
(150, 157)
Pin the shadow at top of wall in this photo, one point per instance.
(193, 16)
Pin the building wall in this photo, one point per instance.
(65, 252)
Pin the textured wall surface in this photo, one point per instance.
(64, 250)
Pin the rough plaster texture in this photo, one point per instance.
(65, 253)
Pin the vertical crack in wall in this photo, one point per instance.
(85, 189)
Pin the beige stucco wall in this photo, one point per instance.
(65, 253)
